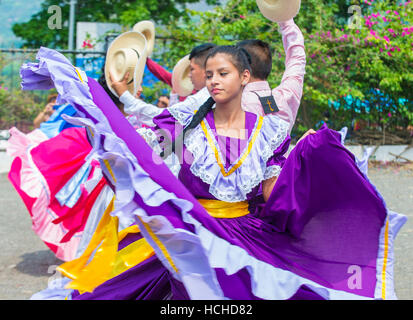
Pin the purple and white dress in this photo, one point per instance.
(324, 233)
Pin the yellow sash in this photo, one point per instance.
(222, 209)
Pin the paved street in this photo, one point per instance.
(26, 264)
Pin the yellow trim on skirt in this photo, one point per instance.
(107, 262)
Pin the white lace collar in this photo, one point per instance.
(233, 184)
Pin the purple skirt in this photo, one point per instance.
(325, 231)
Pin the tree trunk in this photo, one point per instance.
(306, 120)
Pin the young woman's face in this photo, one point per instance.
(223, 80)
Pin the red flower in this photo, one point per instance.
(87, 44)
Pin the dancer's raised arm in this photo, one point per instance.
(288, 94)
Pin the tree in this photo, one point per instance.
(359, 55)
(342, 58)
(378, 63)
(36, 31)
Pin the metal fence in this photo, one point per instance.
(10, 62)
(12, 59)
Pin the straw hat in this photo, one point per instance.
(181, 83)
(279, 10)
(127, 53)
(147, 28)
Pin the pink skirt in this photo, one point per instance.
(50, 175)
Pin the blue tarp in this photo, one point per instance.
(349, 102)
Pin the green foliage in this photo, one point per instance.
(341, 60)
(36, 32)
(371, 62)
(378, 64)
(152, 94)
(16, 106)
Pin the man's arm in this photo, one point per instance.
(159, 72)
(173, 98)
(288, 94)
(145, 112)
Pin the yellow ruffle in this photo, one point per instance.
(107, 261)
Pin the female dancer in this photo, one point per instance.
(323, 232)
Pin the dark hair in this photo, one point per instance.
(199, 53)
(261, 57)
(240, 58)
(103, 83)
(196, 120)
(51, 97)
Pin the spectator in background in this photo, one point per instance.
(47, 111)
(324, 120)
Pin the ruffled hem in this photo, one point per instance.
(34, 190)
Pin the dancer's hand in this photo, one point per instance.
(48, 110)
(119, 86)
(139, 92)
(311, 131)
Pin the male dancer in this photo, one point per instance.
(196, 57)
(283, 100)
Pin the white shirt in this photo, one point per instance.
(145, 112)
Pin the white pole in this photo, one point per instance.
(72, 23)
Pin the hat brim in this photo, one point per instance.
(279, 11)
(147, 28)
(134, 40)
(181, 83)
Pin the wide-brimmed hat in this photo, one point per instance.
(181, 82)
(279, 10)
(127, 53)
(147, 28)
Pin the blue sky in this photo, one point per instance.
(12, 11)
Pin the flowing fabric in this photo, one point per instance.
(56, 124)
(49, 176)
(325, 232)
